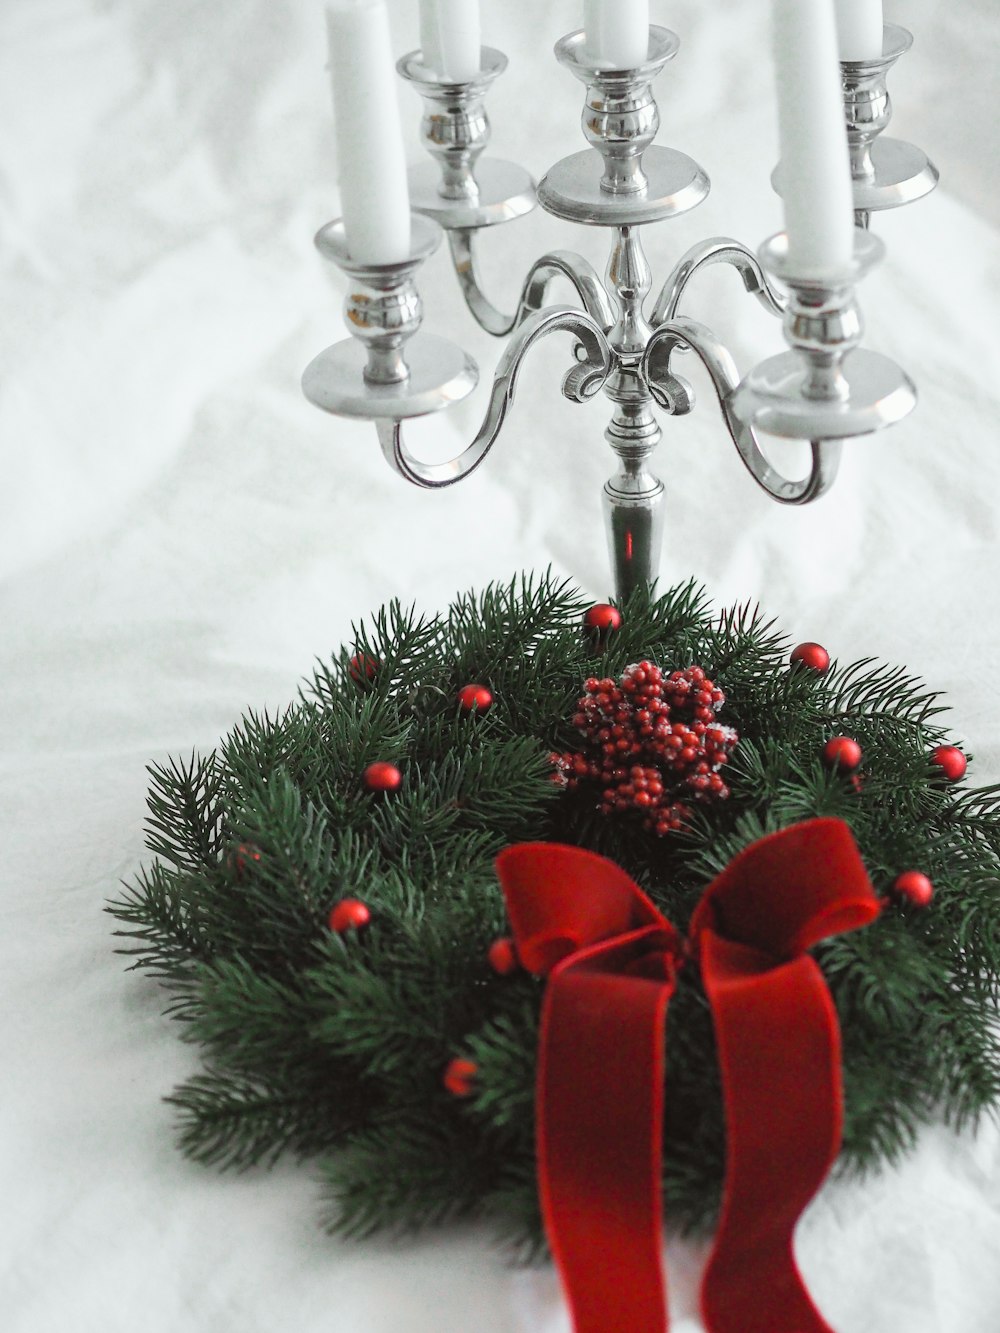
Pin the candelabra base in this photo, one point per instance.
(440, 374)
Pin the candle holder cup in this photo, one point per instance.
(825, 389)
(457, 189)
(886, 172)
(390, 368)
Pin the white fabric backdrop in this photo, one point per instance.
(182, 534)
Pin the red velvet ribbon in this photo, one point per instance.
(611, 959)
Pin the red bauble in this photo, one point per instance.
(811, 655)
(460, 1077)
(503, 957)
(474, 698)
(241, 857)
(915, 887)
(842, 752)
(382, 777)
(363, 667)
(950, 761)
(601, 620)
(349, 914)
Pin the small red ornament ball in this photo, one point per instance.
(811, 655)
(242, 857)
(474, 698)
(363, 667)
(460, 1077)
(842, 752)
(349, 914)
(382, 777)
(950, 761)
(503, 957)
(601, 620)
(915, 887)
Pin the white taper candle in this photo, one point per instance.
(371, 162)
(617, 32)
(450, 38)
(859, 29)
(815, 166)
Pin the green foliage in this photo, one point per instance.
(334, 1047)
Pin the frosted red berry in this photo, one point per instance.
(502, 956)
(349, 914)
(950, 762)
(811, 655)
(460, 1077)
(474, 698)
(915, 887)
(649, 740)
(843, 753)
(381, 776)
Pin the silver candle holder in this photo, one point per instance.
(825, 389)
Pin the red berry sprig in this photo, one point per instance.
(650, 739)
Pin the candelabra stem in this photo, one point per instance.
(633, 498)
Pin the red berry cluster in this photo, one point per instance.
(650, 740)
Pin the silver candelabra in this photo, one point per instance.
(825, 389)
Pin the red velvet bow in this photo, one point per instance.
(611, 958)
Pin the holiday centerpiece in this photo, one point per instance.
(325, 914)
(575, 916)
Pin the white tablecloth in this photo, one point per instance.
(182, 534)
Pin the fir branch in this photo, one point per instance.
(185, 815)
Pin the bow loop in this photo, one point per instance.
(789, 890)
(562, 900)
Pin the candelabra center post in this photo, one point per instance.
(629, 279)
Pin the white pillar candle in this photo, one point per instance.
(815, 166)
(859, 29)
(450, 38)
(371, 162)
(617, 32)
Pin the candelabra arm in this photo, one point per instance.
(580, 383)
(559, 263)
(717, 250)
(687, 333)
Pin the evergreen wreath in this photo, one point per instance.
(324, 914)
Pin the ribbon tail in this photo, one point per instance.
(779, 1053)
(600, 1119)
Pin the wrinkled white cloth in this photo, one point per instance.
(181, 535)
